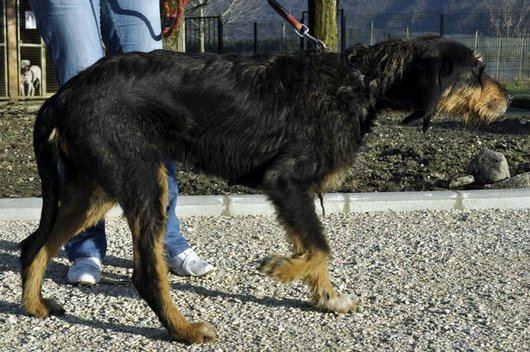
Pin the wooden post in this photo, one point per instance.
(323, 22)
(13, 69)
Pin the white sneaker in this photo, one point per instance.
(188, 263)
(85, 271)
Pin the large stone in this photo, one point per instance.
(489, 167)
(462, 181)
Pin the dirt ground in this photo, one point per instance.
(396, 157)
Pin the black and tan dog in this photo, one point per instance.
(287, 124)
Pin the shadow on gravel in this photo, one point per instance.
(8, 256)
(10, 308)
(108, 287)
(148, 332)
(507, 126)
(118, 262)
(151, 333)
(161, 334)
(268, 301)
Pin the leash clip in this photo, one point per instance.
(304, 33)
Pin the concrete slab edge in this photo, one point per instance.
(240, 205)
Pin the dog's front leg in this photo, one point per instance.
(309, 262)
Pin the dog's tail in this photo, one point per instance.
(47, 155)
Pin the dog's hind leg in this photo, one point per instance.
(296, 212)
(146, 212)
(82, 205)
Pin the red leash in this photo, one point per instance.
(172, 17)
(286, 15)
(301, 29)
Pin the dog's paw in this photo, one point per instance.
(339, 304)
(197, 333)
(279, 267)
(44, 308)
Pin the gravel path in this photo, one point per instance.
(426, 281)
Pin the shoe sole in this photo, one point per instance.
(207, 273)
(83, 283)
(203, 275)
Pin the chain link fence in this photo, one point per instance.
(504, 42)
(505, 46)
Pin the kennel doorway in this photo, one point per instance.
(36, 72)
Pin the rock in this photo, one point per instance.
(461, 181)
(518, 181)
(489, 167)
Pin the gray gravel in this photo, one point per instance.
(426, 281)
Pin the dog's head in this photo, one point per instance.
(24, 65)
(471, 93)
(430, 74)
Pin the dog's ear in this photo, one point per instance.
(447, 74)
(425, 80)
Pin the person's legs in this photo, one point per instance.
(181, 258)
(174, 242)
(131, 25)
(70, 29)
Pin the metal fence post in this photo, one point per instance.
(442, 24)
(521, 64)
(283, 47)
(255, 37)
(499, 52)
(220, 34)
(342, 30)
(372, 32)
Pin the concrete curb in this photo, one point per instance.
(237, 205)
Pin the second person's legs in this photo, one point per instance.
(134, 25)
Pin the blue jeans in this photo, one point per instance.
(73, 31)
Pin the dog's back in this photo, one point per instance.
(226, 115)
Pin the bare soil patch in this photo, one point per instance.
(395, 157)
